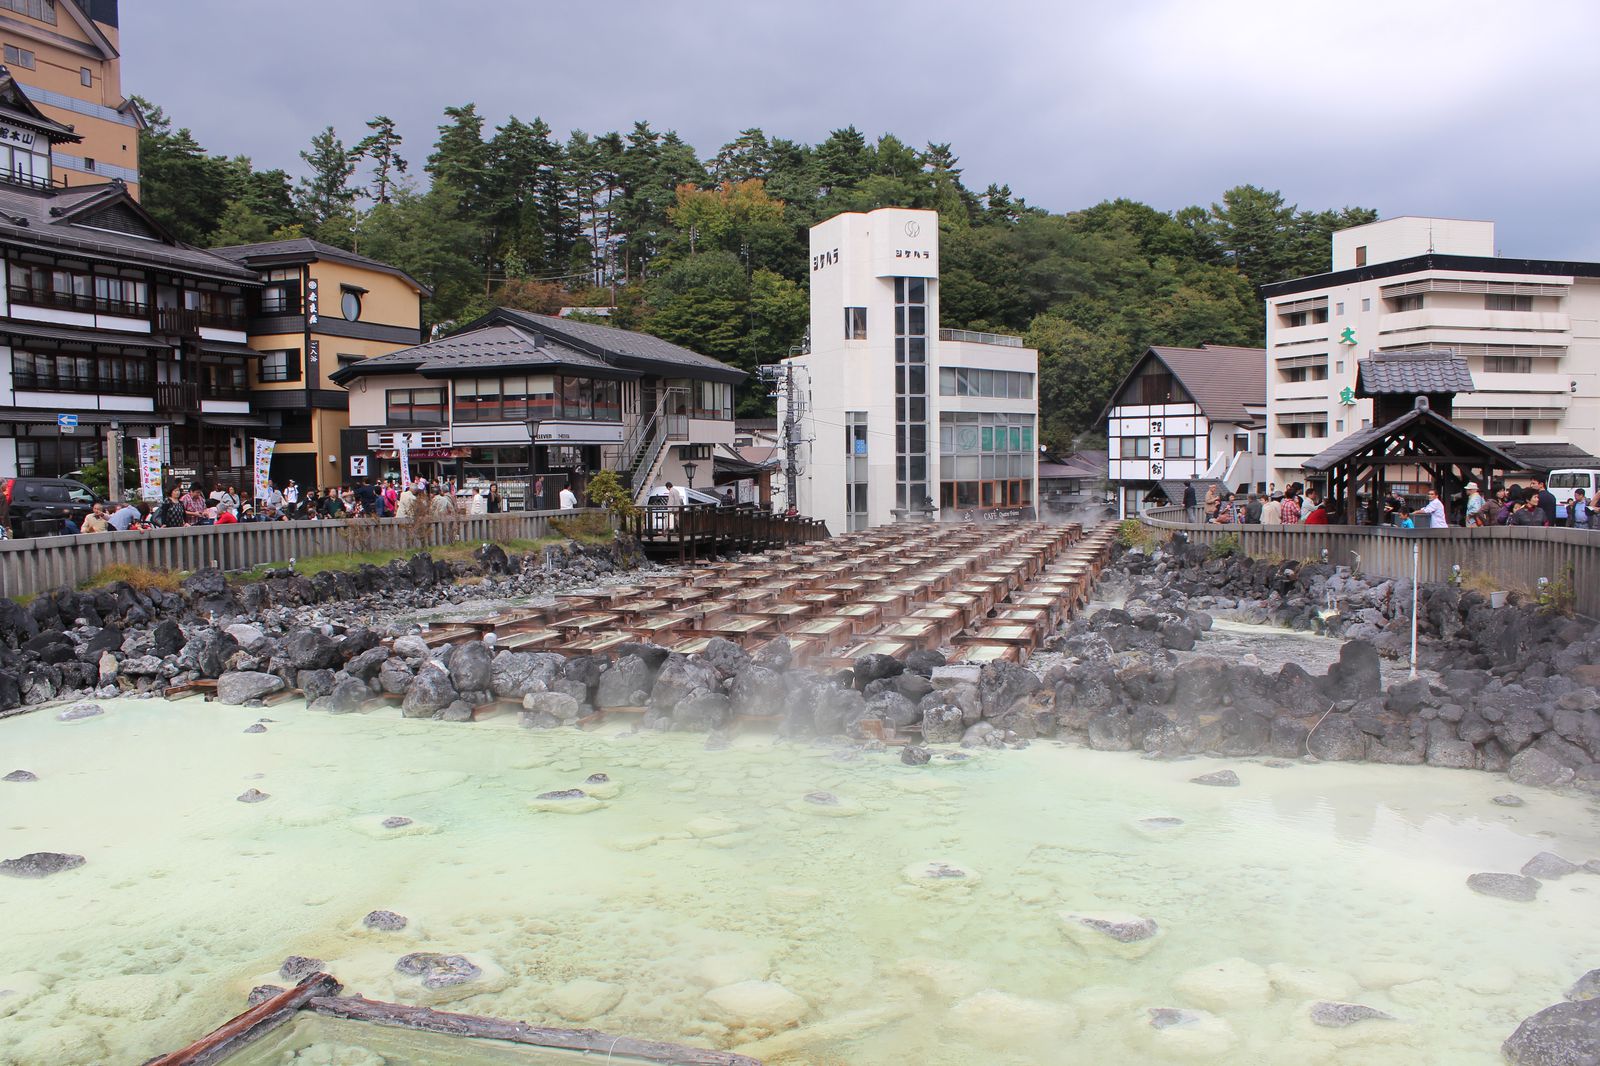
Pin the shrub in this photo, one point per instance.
(1224, 546)
(141, 578)
(1132, 533)
(1558, 596)
(606, 490)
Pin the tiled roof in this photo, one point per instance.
(1414, 373)
(35, 217)
(306, 250)
(1547, 457)
(1361, 440)
(489, 348)
(640, 351)
(1222, 380)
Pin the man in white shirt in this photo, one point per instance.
(569, 499)
(1434, 509)
(675, 496)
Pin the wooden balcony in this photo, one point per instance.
(177, 397)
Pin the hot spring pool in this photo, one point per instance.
(700, 896)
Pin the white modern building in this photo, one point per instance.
(1529, 330)
(897, 417)
(1187, 414)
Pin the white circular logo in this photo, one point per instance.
(913, 228)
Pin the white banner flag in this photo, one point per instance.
(404, 448)
(263, 466)
(150, 468)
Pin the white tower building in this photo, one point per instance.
(897, 418)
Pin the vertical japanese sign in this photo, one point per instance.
(403, 446)
(150, 468)
(263, 466)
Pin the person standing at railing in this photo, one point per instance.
(1272, 511)
(569, 499)
(1434, 510)
(1546, 499)
(476, 504)
(194, 508)
(1189, 501)
(170, 514)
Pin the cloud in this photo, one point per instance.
(1458, 109)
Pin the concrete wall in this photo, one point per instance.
(1408, 235)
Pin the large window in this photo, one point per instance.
(1180, 447)
(855, 469)
(415, 407)
(1507, 427)
(1497, 301)
(79, 290)
(280, 365)
(1414, 302)
(855, 323)
(706, 399)
(223, 382)
(281, 296)
(1135, 448)
(19, 57)
(911, 391)
(970, 381)
(81, 372)
(43, 10)
(223, 310)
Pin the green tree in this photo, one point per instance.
(325, 195)
(460, 158)
(1078, 368)
(778, 311)
(420, 234)
(700, 304)
(382, 148)
(180, 185)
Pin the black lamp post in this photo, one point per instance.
(528, 501)
(688, 472)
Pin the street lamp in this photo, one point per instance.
(688, 472)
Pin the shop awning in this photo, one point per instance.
(233, 421)
(568, 432)
(226, 348)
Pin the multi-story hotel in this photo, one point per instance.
(1528, 328)
(896, 417)
(1187, 414)
(535, 402)
(64, 55)
(320, 308)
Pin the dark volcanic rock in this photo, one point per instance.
(40, 864)
(911, 755)
(563, 794)
(396, 821)
(436, 970)
(384, 921)
(1219, 778)
(1509, 800)
(253, 795)
(297, 968)
(1357, 675)
(261, 993)
(20, 775)
(1567, 1034)
(1504, 886)
(822, 799)
(1548, 866)
(1587, 987)
(430, 691)
(255, 727)
(80, 710)
(241, 686)
(471, 666)
(1339, 1015)
(1535, 769)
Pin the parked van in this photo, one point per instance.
(1563, 482)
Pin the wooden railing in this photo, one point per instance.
(177, 396)
(696, 532)
(37, 564)
(1505, 558)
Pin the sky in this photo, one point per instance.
(1465, 109)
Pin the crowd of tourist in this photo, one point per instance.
(1510, 505)
(225, 506)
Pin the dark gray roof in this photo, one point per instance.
(1547, 457)
(18, 109)
(1361, 440)
(1173, 490)
(1222, 379)
(499, 348)
(306, 250)
(1414, 373)
(43, 218)
(78, 335)
(638, 351)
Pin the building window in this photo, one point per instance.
(350, 304)
(1261, 444)
(43, 10)
(1338, 425)
(1338, 308)
(414, 407)
(855, 469)
(224, 310)
(1507, 364)
(1241, 443)
(280, 365)
(1497, 301)
(970, 381)
(83, 372)
(79, 291)
(1366, 303)
(1135, 447)
(19, 57)
(1153, 385)
(1406, 303)
(1311, 317)
(86, 77)
(1339, 365)
(911, 391)
(281, 296)
(855, 323)
(1507, 427)
(1180, 447)
(1361, 255)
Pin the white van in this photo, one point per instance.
(1563, 482)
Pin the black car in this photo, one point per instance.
(37, 506)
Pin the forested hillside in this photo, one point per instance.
(711, 253)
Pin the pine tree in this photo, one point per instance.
(381, 146)
(326, 195)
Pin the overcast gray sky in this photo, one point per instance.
(1461, 109)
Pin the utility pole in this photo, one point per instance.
(780, 380)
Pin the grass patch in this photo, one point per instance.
(141, 578)
(460, 551)
(1224, 546)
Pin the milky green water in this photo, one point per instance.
(699, 880)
